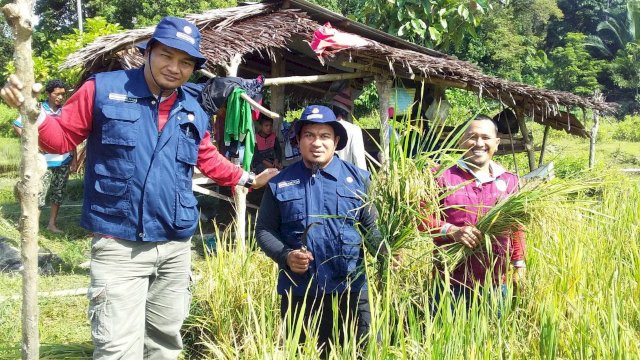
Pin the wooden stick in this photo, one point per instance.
(259, 107)
(19, 15)
(205, 191)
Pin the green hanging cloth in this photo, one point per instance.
(238, 125)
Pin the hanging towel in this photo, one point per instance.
(239, 126)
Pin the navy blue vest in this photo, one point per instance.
(137, 179)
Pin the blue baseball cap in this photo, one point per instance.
(178, 34)
(318, 114)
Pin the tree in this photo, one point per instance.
(441, 24)
(574, 69)
(47, 65)
(616, 33)
(580, 16)
(509, 41)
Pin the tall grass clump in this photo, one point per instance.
(628, 129)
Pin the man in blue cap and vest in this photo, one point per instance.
(144, 134)
(310, 223)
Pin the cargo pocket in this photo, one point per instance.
(186, 209)
(100, 324)
(350, 247)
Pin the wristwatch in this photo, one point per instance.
(250, 180)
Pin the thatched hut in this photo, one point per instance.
(273, 38)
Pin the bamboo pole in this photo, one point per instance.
(19, 15)
(526, 138)
(544, 145)
(310, 79)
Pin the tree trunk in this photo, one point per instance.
(19, 15)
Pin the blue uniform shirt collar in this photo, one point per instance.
(333, 168)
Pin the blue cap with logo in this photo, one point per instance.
(178, 34)
(318, 114)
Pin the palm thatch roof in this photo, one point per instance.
(257, 30)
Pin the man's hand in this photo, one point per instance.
(11, 92)
(468, 236)
(298, 261)
(263, 178)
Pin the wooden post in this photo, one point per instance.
(19, 15)
(383, 85)
(592, 141)
(544, 145)
(240, 193)
(277, 95)
(526, 138)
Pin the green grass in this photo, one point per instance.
(9, 155)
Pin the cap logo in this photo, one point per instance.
(315, 116)
(315, 110)
(186, 37)
(187, 30)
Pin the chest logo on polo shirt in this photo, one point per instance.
(284, 184)
(501, 185)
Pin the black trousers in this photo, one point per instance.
(352, 307)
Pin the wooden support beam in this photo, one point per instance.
(240, 193)
(278, 69)
(315, 88)
(526, 138)
(383, 85)
(544, 145)
(291, 80)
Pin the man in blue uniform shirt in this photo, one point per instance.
(310, 222)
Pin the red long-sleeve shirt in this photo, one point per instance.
(75, 122)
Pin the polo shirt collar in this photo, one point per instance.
(495, 169)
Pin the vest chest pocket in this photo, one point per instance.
(291, 204)
(187, 150)
(121, 124)
(349, 203)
